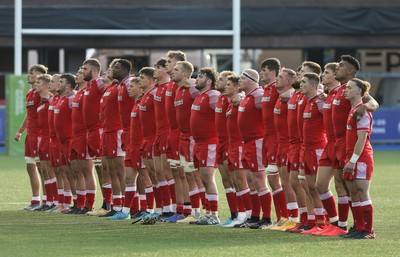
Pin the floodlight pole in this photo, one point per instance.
(236, 17)
(18, 37)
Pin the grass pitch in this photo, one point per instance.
(46, 234)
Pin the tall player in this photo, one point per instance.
(222, 147)
(63, 127)
(32, 139)
(250, 113)
(270, 69)
(202, 127)
(359, 160)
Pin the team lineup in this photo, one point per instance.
(155, 141)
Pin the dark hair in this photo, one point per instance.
(147, 71)
(272, 64)
(210, 73)
(361, 84)
(94, 63)
(161, 62)
(353, 61)
(315, 67)
(69, 78)
(39, 68)
(126, 64)
(177, 55)
(113, 62)
(312, 77)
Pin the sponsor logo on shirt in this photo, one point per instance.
(51, 108)
(291, 106)
(86, 92)
(142, 107)
(228, 112)
(168, 93)
(241, 109)
(75, 105)
(120, 98)
(277, 111)
(266, 99)
(307, 115)
(219, 110)
(158, 98)
(179, 102)
(196, 107)
(133, 114)
(30, 103)
(327, 106)
(336, 102)
(56, 111)
(348, 127)
(40, 107)
(301, 101)
(107, 93)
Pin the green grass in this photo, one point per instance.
(47, 234)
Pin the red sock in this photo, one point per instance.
(256, 205)
(319, 215)
(202, 193)
(107, 193)
(266, 202)
(61, 199)
(232, 200)
(158, 197)
(187, 208)
(303, 215)
(143, 202)
(368, 214)
(171, 185)
(212, 202)
(165, 193)
(130, 192)
(358, 216)
(81, 198)
(67, 197)
(55, 190)
(149, 198)
(179, 208)
(117, 201)
(343, 208)
(135, 203)
(328, 201)
(277, 203)
(240, 204)
(195, 198)
(246, 199)
(90, 197)
(311, 220)
(49, 190)
(293, 210)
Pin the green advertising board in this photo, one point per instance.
(16, 90)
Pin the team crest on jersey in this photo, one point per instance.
(107, 93)
(348, 127)
(87, 92)
(311, 106)
(228, 112)
(120, 98)
(301, 101)
(201, 100)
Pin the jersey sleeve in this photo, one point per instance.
(364, 122)
(258, 99)
(193, 92)
(100, 84)
(213, 99)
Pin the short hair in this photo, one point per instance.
(39, 68)
(45, 77)
(273, 64)
(135, 80)
(147, 71)
(113, 62)
(187, 67)
(315, 67)
(361, 84)
(234, 79)
(353, 61)
(290, 72)
(331, 66)
(210, 73)
(94, 63)
(177, 55)
(161, 62)
(312, 77)
(226, 73)
(69, 78)
(126, 64)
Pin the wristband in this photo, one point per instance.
(354, 158)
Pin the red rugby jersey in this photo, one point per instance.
(281, 121)
(147, 114)
(162, 126)
(170, 92)
(183, 103)
(111, 118)
(249, 120)
(313, 124)
(221, 118)
(43, 118)
(62, 118)
(301, 104)
(52, 103)
(232, 124)
(352, 126)
(269, 99)
(136, 127)
(125, 103)
(91, 103)
(294, 137)
(340, 111)
(327, 114)
(32, 103)
(78, 125)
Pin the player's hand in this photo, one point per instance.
(17, 136)
(359, 112)
(189, 83)
(322, 96)
(349, 167)
(237, 99)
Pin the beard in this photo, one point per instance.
(296, 85)
(88, 77)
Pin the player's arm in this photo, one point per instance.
(370, 104)
(358, 149)
(21, 130)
